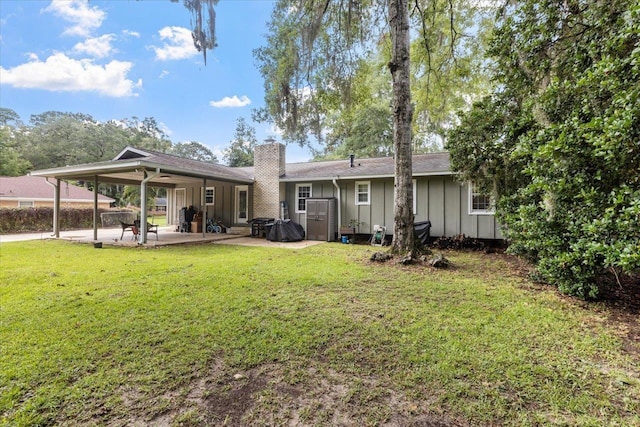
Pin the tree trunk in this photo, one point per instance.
(403, 238)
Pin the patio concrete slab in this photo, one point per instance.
(166, 236)
(256, 241)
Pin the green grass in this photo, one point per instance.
(160, 220)
(124, 335)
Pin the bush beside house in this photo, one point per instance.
(22, 220)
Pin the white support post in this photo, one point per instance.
(143, 204)
(95, 207)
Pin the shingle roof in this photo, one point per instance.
(130, 163)
(36, 188)
(168, 160)
(131, 159)
(423, 164)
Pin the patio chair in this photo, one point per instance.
(126, 227)
(151, 228)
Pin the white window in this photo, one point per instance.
(363, 192)
(24, 204)
(303, 192)
(479, 203)
(210, 196)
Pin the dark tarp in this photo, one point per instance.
(422, 231)
(284, 230)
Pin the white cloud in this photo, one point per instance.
(178, 44)
(131, 33)
(163, 74)
(231, 102)
(63, 74)
(84, 18)
(164, 128)
(97, 47)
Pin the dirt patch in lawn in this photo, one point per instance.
(621, 302)
(280, 394)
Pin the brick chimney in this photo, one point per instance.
(268, 191)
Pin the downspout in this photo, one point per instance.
(142, 239)
(56, 207)
(335, 184)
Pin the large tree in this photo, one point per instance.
(241, 148)
(11, 161)
(558, 140)
(195, 151)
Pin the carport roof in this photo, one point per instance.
(129, 165)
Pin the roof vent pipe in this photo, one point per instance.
(351, 159)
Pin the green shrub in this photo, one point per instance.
(41, 219)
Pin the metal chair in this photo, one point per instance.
(151, 228)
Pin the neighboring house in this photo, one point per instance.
(159, 204)
(35, 192)
(318, 195)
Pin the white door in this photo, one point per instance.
(242, 204)
(181, 199)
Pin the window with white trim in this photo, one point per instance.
(363, 192)
(479, 203)
(25, 204)
(303, 192)
(210, 196)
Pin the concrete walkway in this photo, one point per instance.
(166, 236)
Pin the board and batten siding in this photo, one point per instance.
(439, 199)
(224, 201)
(445, 202)
(319, 189)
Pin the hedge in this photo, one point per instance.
(22, 220)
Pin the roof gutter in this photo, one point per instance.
(360, 177)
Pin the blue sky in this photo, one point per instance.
(123, 58)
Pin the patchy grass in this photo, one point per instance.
(229, 335)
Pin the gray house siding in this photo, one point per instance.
(445, 203)
(224, 201)
(318, 189)
(439, 199)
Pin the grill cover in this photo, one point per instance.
(422, 231)
(284, 230)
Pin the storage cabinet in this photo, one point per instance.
(321, 219)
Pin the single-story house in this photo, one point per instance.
(159, 204)
(321, 196)
(37, 192)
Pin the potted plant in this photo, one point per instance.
(351, 227)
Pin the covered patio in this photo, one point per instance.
(146, 168)
(167, 236)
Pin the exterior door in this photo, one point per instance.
(317, 227)
(242, 204)
(181, 200)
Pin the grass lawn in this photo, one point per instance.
(229, 335)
